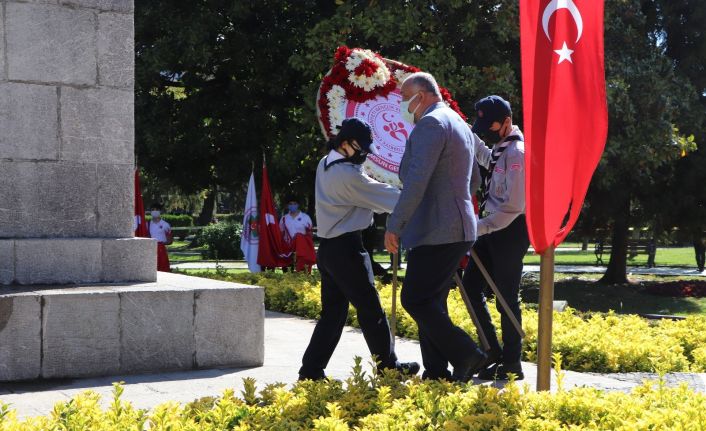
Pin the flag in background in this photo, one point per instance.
(250, 238)
(271, 248)
(565, 111)
(139, 224)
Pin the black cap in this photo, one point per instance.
(490, 110)
(354, 128)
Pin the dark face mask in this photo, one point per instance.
(491, 137)
(358, 157)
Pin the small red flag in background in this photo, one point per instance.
(140, 224)
(566, 116)
(271, 250)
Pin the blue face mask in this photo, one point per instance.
(293, 208)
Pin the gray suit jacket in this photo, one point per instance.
(435, 206)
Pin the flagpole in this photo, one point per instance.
(546, 309)
(393, 311)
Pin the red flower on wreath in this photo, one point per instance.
(338, 76)
(366, 67)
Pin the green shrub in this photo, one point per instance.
(229, 218)
(588, 342)
(365, 402)
(222, 241)
(175, 220)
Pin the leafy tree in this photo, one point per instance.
(646, 99)
(214, 91)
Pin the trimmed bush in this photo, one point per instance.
(587, 342)
(176, 220)
(222, 241)
(366, 402)
(229, 218)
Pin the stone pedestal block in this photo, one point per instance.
(20, 335)
(77, 260)
(157, 329)
(176, 323)
(80, 333)
(218, 307)
(47, 199)
(97, 125)
(28, 120)
(116, 51)
(129, 259)
(51, 44)
(46, 261)
(7, 261)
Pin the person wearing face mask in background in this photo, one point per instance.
(161, 231)
(345, 201)
(435, 221)
(297, 232)
(502, 232)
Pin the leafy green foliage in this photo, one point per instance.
(222, 241)
(175, 220)
(369, 402)
(596, 342)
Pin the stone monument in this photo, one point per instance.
(81, 296)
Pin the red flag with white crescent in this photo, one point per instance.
(272, 251)
(565, 111)
(139, 224)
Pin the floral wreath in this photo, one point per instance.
(361, 75)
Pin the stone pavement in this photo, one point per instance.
(286, 338)
(567, 269)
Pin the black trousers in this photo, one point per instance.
(424, 293)
(501, 253)
(347, 277)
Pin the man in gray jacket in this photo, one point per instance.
(434, 219)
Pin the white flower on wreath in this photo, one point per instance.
(401, 75)
(337, 105)
(336, 95)
(378, 79)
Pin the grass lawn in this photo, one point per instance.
(179, 251)
(673, 256)
(583, 293)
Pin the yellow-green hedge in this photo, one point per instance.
(385, 403)
(587, 342)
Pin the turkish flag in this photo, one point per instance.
(271, 251)
(566, 116)
(140, 225)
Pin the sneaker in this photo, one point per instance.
(499, 371)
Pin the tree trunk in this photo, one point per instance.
(584, 244)
(616, 273)
(209, 203)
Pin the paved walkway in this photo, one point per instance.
(286, 338)
(567, 269)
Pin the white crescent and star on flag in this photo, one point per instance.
(553, 6)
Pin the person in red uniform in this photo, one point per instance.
(162, 232)
(297, 230)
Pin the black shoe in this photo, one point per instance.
(408, 368)
(315, 376)
(404, 368)
(465, 371)
(502, 371)
(426, 375)
(494, 358)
